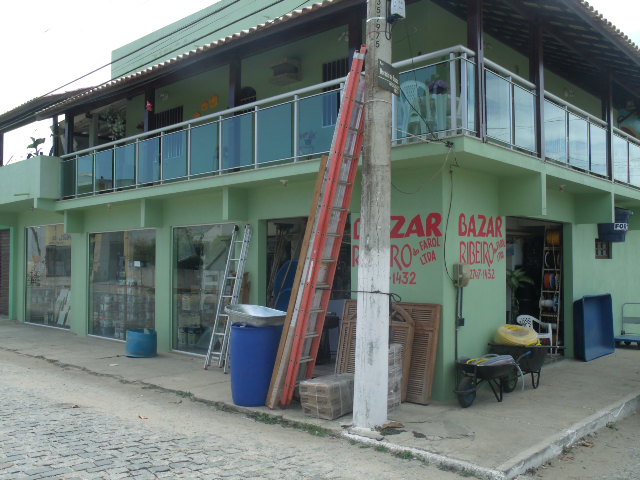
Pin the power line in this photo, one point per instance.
(155, 42)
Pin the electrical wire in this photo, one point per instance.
(170, 34)
(446, 224)
(430, 179)
(415, 78)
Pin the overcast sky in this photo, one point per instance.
(45, 44)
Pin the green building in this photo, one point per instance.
(514, 139)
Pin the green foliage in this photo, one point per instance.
(115, 122)
(404, 455)
(35, 145)
(517, 278)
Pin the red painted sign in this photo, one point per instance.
(415, 241)
(481, 254)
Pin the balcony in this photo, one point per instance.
(437, 102)
(33, 181)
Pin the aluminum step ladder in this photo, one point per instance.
(300, 340)
(228, 294)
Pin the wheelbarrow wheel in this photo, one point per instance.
(466, 392)
(509, 382)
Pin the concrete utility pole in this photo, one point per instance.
(372, 344)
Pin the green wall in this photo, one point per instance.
(257, 72)
(434, 196)
(617, 276)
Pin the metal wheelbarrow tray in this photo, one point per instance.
(498, 376)
(529, 358)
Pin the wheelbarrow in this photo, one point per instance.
(529, 358)
(499, 371)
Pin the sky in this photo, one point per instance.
(45, 44)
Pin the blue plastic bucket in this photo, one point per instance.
(253, 355)
(615, 232)
(142, 343)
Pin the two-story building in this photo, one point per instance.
(515, 135)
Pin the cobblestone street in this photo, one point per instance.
(68, 424)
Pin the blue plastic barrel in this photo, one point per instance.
(142, 343)
(253, 355)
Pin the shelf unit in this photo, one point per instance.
(118, 307)
(551, 282)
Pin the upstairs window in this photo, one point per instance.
(168, 117)
(330, 71)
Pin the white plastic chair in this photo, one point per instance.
(418, 110)
(528, 321)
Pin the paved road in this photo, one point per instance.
(68, 424)
(64, 423)
(612, 453)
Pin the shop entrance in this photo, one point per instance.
(534, 277)
(284, 242)
(5, 252)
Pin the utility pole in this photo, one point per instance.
(372, 326)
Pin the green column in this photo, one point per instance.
(79, 283)
(164, 293)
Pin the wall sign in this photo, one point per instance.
(415, 241)
(482, 245)
(418, 241)
(388, 77)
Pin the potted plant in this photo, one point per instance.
(516, 278)
(35, 145)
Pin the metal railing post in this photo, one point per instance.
(220, 144)
(255, 137)
(566, 137)
(453, 90)
(188, 140)
(464, 87)
(136, 163)
(77, 177)
(160, 153)
(296, 127)
(394, 119)
(114, 169)
(512, 112)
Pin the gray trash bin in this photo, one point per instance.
(255, 315)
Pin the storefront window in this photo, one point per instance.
(121, 282)
(48, 289)
(200, 256)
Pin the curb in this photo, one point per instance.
(529, 459)
(553, 446)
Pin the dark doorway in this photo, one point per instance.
(5, 258)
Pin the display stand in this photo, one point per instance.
(551, 283)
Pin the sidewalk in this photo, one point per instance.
(488, 439)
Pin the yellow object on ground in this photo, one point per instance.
(516, 335)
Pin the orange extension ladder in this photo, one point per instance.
(302, 331)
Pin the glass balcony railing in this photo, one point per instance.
(437, 101)
(283, 129)
(577, 139)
